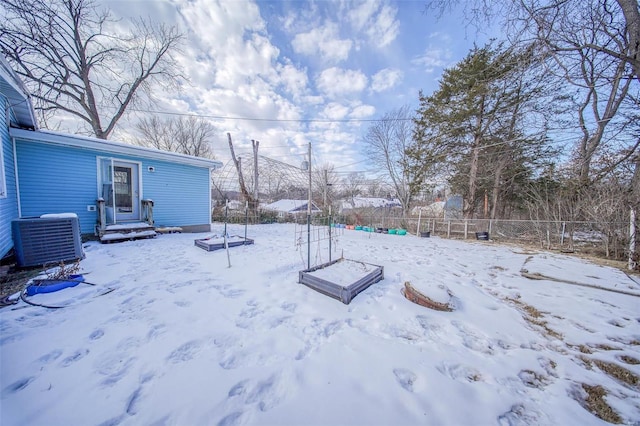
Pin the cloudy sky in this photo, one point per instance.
(292, 72)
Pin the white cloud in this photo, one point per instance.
(363, 111)
(355, 109)
(294, 80)
(385, 79)
(377, 20)
(338, 145)
(301, 19)
(335, 111)
(435, 55)
(337, 81)
(363, 13)
(323, 41)
(432, 58)
(236, 70)
(239, 66)
(385, 27)
(230, 40)
(312, 100)
(288, 22)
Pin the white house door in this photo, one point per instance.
(126, 191)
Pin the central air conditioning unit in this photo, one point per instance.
(47, 239)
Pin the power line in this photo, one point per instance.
(277, 120)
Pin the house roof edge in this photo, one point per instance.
(85, 142)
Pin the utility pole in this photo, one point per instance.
(632, 239)
(309, 215)
(324, 196)
(255, 145)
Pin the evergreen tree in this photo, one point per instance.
(474, 125)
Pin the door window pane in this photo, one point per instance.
(123, 188)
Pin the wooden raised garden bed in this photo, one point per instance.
(217, 242)
(341, 279)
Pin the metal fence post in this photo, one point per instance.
(632, 239)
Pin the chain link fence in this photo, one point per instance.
(603, 239)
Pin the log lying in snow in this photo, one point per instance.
(539, 276)
(416, 297)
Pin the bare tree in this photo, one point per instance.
(522, 16)
(600, 81)
(324, 180)
(592, 47)
(387, 141)
(249, 196)
(606, 209)
(72, 62)
(375, 188)
(353, 185)
(631, 14)
(274, 183)
(190, 135)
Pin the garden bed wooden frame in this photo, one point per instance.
(344, 293)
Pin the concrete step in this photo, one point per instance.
(127, 231)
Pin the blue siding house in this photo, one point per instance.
(102, 182)
(16, 111)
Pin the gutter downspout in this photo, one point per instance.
(209, 196)
(15, 171)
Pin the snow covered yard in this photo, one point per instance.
(185, 340)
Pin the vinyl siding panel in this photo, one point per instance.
(59, 179)
(8, 203)
(180, 193)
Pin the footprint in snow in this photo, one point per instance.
(474, 339)
(155, 331)
(97, 334)
(10, 339)
(239, 388)
(49, 358)
(317, 334)
(185, 352)
(232, 419)
(17, 386)
(533, 379)
(129, 343)
(519, 415)
(459, 372)
(406, 378)
(32, 321)
(238, 354)
(133, 402)
(289, 307)
(175, 287)
(616, 323)
(228, 291)
(246, 317)
(76, 356)
(251, 312)
(265, 394)
(278, 321)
